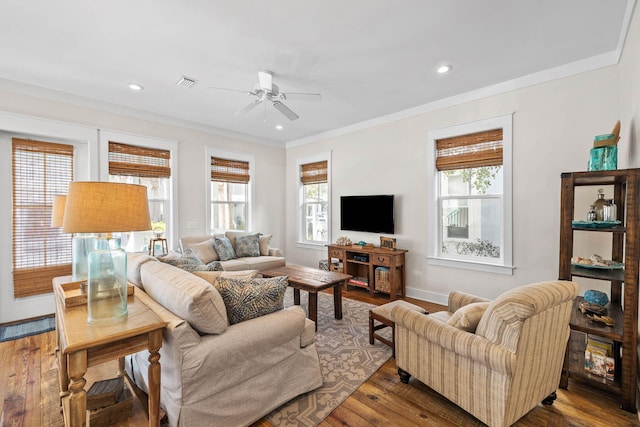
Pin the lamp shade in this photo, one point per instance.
(57, 212)
(106, 207)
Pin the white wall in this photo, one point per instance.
(192, 177)
(553, 128)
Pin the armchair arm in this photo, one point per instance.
(454, 340)
(460, 299)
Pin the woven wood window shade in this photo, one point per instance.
(226, 170)
(473, 150)
(41, 170)
(130, 160)
(314, 173)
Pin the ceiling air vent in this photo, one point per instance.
(186, 81)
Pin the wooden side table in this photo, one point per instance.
(82, 345)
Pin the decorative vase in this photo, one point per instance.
(107, 287)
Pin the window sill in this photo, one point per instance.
(471, 265)
(309, 245)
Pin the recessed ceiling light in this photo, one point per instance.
(279, 127)
(136, 87)
(444, 69)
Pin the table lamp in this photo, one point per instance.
(82, 243)
(57, 211)
(105, 208)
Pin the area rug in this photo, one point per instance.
(346, 358)
(25, 329)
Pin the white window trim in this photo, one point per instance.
(214, 152)
(319, 157)
(433, 227)
(85, 141)
(104, 136)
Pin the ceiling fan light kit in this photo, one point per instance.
(266, 90)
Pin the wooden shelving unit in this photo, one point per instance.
(623, 305)
(375, 257)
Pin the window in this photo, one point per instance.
(314, 201)
(150, 167)
(41, 170)
(229, 194)
(473, 194)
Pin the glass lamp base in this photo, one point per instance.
(107, 282)
(82, 244)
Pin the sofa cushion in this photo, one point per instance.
(211, 276)
(250, 298)
(224, 249)
(261, 263)
(468, 316)
(134, 262)
(205, 251)
(186, 296)
(264, 242)
(247, 246)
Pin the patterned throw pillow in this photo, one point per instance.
(190, 262)
(224, 249)
(247, 246)
(250, 298)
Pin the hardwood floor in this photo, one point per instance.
(29, 389)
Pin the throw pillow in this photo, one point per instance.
(233, 235)
(264, 242)
(211, 276)
(224, 249)
(247, 246)
(467, 317)
(190, 262)
(250, 298)
(205, 251)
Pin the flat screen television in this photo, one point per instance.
(373, 214)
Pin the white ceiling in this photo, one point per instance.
(368, 58)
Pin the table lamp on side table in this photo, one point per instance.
(105, 208)
(81, 243)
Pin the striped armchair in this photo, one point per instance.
(510, 364)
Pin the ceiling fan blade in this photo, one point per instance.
(231, 90)
(303, 96)
(249, 107)
(265, 79)
(285, 110)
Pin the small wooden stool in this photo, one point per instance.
(383, 315)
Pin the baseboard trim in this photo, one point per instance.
(428, 296)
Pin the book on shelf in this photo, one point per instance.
(598, 357)
(359, 281)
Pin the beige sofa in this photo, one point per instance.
(504, 368)
(202, 247)
(230, 375)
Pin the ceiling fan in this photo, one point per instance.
(266, 92)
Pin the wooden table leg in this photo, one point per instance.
(155, 341)
(313, 307)
(78, 397)
(296, 296)
(337, 300)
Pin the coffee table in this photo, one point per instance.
(312, 280)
